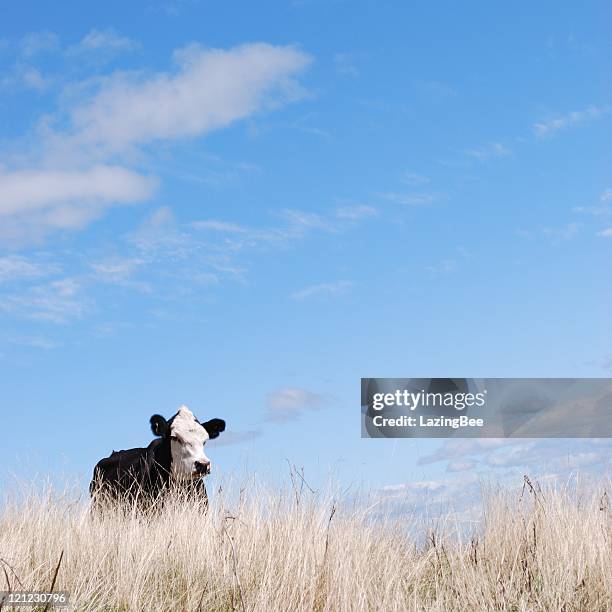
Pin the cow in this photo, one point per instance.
(175, 459)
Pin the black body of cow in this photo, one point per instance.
(143, 475)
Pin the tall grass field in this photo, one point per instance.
(535, 549)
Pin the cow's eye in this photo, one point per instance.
(176, 439)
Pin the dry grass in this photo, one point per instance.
(544, 550)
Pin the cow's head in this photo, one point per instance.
(187, 437)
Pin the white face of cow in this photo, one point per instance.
(187, 439)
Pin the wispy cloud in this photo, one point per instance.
(566, 232)
(437, 90)
(163, 253)
(174, 8)
(38, 42)
(17, 267)
(414, 179)
(290, 403)
(215, 246)
(306, 220)
(323, 290)
(117, 270)
(24, 76)
(574, 118)
(606, 233)
(37, 342)
(220, 226)
(346, 64)
(294, 224)
(489, 151)
(106, 41)
(212, 171)
(460, 465)
(59, 301)
(355, 213)
(236, 437)
(604, 207)
(410, 199)
(418, 194)
(446, 266)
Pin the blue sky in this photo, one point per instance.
(246, 208)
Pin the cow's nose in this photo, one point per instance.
(202, 467)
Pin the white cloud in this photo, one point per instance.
(26, 190)
(323, 290)
(211, 89)
(74, 182)
(607, 233)
(289, 403)
(546, 128)
(32, 202)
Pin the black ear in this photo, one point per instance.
(159, 425)
(214, 427)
